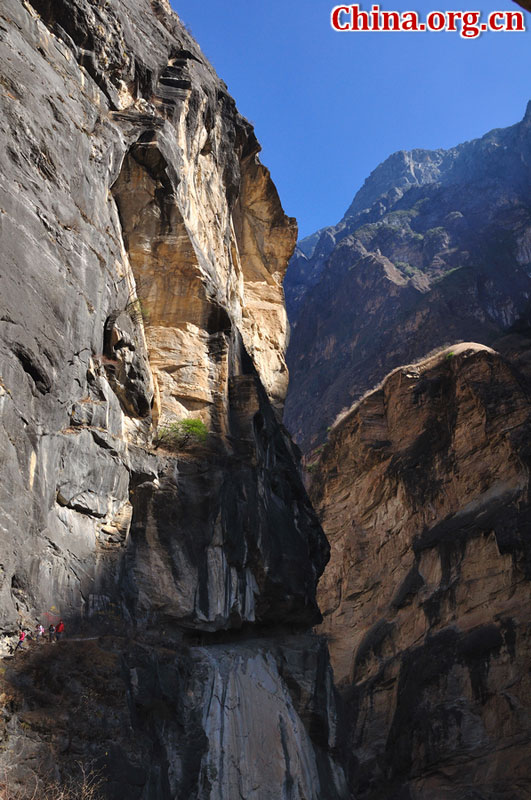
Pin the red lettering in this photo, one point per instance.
(410, 21)
(436, 21)
(493, 25)
(358, 15)
(375, 15)
(352, 18)
(452, 16)
(335, 19)
(387, 17)
(519, 17)
(470, 28)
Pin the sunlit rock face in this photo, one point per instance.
(423, 491)
(143, 251)
(205, 255)
(128, 193)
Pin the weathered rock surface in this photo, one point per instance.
(225, 539)
(254, 719)
(435, 249)
(127, 195)
(423, 491)
(143, 250)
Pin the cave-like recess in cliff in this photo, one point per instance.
(186, 330)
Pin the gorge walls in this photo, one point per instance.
(423, 491)
(143, 251)
(433, 250)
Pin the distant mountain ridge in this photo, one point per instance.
(434, 248)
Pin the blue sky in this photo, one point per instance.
(328, 107)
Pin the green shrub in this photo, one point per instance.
(178, 435)
(138, 311)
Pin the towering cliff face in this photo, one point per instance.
(434, 249)
(423, 491)
(143, 250)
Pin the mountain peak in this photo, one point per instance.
(400, 171)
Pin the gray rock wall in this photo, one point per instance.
(143, 248)
(254, 718)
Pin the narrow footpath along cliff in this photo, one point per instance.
(143, 251)
(423, 491)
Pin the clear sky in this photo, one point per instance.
(328, 107)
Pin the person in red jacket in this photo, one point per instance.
(59, 630)
(21, 638)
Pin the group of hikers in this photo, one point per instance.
(55, 632)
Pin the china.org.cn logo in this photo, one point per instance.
(469, 24)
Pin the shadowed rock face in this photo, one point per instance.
(435, 249)
(423, 491)
(255, 719)
(143, 251)
(224, 539)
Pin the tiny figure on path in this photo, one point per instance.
(59, 630)
(39, 632)
(51, 631)
(21, 639)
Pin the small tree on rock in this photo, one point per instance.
(179, 435)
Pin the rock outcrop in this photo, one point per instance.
(434, 249)
(252, 719)
(423, 491)
(143, 251)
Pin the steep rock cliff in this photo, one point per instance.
(143, 250)
(434, 249)
(423, 491)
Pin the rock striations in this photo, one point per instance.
(143, 251)
(423, 491)
(434, 249)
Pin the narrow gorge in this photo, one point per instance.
(243, 623)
